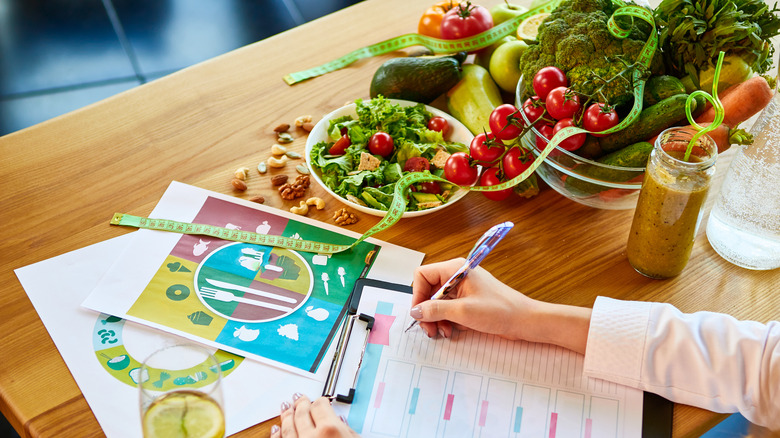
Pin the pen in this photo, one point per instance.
(481, 249)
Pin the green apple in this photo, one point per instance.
(505, 64)
(482, 57)
(506, 11)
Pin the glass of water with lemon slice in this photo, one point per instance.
(181, 393)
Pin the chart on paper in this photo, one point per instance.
(478, 385)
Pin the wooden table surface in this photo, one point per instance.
(61, 181)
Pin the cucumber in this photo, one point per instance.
(634, 155)
(658, 88)
(419, 79)
(651, 121)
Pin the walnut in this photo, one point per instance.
(344, 217)
(302, 180)
(296, 189)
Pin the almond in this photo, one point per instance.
(278, 180)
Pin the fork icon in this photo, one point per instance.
(227, 297)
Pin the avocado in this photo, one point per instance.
(423, 198)
(419, 79)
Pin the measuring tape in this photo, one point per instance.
(398, 206)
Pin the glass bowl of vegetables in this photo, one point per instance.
(361, 170)
(603, 182)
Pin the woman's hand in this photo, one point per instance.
(306, 419)
(483, 303)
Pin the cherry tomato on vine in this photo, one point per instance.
(515, 162)
(458, 170)
(562, 103)
(547, 132)
(533, 107)
(430, 21)
(429, 187)
(547, 79)
(486, 149)
(439, 124)
(599, 117)
(465, 20)
(417, 164)
(340, 146)
(381, 144)
(572, 142)
(505, 122)
(490, 178)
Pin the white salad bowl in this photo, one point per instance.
(458, 133)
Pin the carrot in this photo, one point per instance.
(741, 102)
(723, 136)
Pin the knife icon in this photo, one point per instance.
(249, 290)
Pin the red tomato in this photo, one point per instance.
(515, 162)
(458, 170)
(572, 142)
(340, 146)
(547, 79)
(486, 149)
(562, 103)
(490, 178)
(429, 187)
(599, 117)
(505, 122)
(439, 124)
(417, 164)
(546, 132)
(381, 144)
(533, 107)
(464, 21)
(430, 22)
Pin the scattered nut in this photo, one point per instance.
(259, 199)
(238, 184)
(283, 127)
(262, 167)
(302, 169)
(242, 173)
(302, 119)
(296, 189)
(293, 154)
(307, 126)
(278, 149)
(284, 138)
(301, 209)
(303, 181)
(318, 202)
(344, 217)
(277, 162)
(278, 180)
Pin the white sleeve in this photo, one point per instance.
(704, 359)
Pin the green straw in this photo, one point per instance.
(715, 104)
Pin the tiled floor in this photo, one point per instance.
(60, 55)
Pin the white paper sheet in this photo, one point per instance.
(476, 385)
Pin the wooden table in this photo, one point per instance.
(61, 180)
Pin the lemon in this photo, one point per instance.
(184, 414)
(528, 28)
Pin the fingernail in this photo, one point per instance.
(274, 429)
(285, 406)
(416, 312)
(442, 334)
(343, 418)
(297, 395)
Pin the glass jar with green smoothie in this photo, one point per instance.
(669, 208)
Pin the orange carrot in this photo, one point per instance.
(741, 102)
(723, 136)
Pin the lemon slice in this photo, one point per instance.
(528, 28)
(184, 414)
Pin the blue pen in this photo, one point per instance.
(481, 249)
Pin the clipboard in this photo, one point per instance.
(656, 411)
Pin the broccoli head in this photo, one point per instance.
(576, 39)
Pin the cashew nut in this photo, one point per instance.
(301, 209)
(316, 201)
(242, 173)
(277, 162)
(278, 149)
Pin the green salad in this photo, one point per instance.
(360, 176)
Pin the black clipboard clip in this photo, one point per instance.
(338, 359)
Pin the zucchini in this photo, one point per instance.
(658, 88)
(634, 155)
(651, 121)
